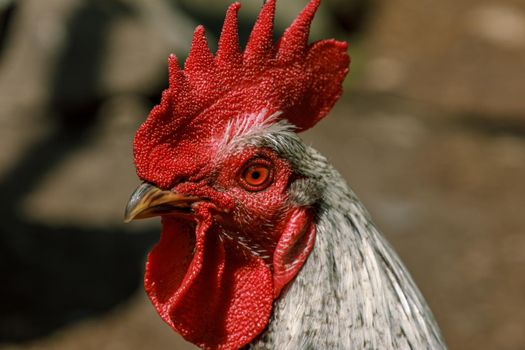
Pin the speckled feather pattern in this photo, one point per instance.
(353, 292)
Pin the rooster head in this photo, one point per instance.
(221, 165)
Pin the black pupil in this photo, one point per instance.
(256, 174)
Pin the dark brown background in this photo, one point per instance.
(430, 133)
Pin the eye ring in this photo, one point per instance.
(256, 175)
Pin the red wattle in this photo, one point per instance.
(214, 294)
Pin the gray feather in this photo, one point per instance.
(353, 292)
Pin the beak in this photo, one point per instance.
(148, 201)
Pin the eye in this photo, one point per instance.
(256, 175)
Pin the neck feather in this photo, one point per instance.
(353, 292)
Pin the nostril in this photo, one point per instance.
(178, 180)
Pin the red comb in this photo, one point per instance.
(300, 80)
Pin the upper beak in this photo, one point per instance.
(148, 201)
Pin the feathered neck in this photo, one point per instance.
(353, 292)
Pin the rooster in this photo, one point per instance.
(263, 244)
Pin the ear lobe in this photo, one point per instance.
(293, 248)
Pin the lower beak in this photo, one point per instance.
(148, 201)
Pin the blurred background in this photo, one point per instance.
(430, 133)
